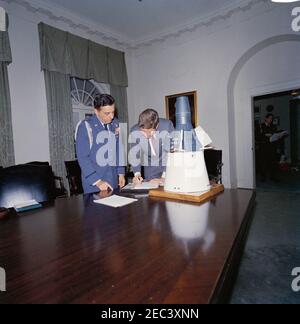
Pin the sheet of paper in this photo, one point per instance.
(142, 186)
(146, 186)
(277, 136)
(115, 201)
(203, 137)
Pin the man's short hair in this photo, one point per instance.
(103, 100)
(149, 119)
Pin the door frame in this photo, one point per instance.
(261, 91)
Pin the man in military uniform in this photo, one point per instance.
(98, 151)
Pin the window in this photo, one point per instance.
(83, 93)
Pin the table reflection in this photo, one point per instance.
(190, 222)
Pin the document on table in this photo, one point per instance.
(115, 201)
(141, 186)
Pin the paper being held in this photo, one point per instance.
(278, 136)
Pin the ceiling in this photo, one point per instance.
(137, 20)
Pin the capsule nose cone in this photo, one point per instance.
(183, 114)
(182, 105)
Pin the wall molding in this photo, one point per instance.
(222, 15)
(58, 14)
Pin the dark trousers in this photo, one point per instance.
(268, 164)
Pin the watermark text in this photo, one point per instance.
(296, 20)
(2, 280)
(296, 281)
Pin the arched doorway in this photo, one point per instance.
(230, 95)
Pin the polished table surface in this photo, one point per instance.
(153, 251)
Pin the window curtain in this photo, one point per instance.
(7, 157)
(60, 117)
(81, 58)
(64, 55)
(120, 95)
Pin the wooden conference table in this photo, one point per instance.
(152, 252)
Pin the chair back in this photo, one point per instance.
(39, 163)
(26, 182)
(74, 177)
(213, 161)
(60, 190)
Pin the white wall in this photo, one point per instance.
(203, 60)
(27, 85)
(28, 97)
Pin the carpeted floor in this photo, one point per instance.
(286, 182)
(272, 251)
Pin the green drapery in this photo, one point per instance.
(5, 51)
(60, 121)
(78, 57)
(7, 157)
(120, 95)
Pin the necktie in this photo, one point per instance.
(106, 127)
(152, 146)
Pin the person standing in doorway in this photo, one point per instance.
(268, 165)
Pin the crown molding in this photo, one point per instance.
(59, 14)
(223, 14)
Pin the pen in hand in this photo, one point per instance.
(138, 180)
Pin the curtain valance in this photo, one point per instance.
(69, 54)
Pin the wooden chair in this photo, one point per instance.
(74, 177)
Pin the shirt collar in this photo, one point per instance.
(100, 121)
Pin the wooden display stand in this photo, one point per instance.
(196, 198)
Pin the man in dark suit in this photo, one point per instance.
(98, 151)
(150, 144)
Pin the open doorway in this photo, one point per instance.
(277, 141)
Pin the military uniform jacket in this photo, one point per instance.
(99, 153)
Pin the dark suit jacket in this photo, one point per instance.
(154, 166)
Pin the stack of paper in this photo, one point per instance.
(115, 201)
(145, 186)
(27, 205)
(142, 186)
(277, 136)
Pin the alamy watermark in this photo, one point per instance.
(2, 280)
(296, 20)
(3, 18)
(296, 281)
(142, 150)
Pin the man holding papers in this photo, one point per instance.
(270, 138)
